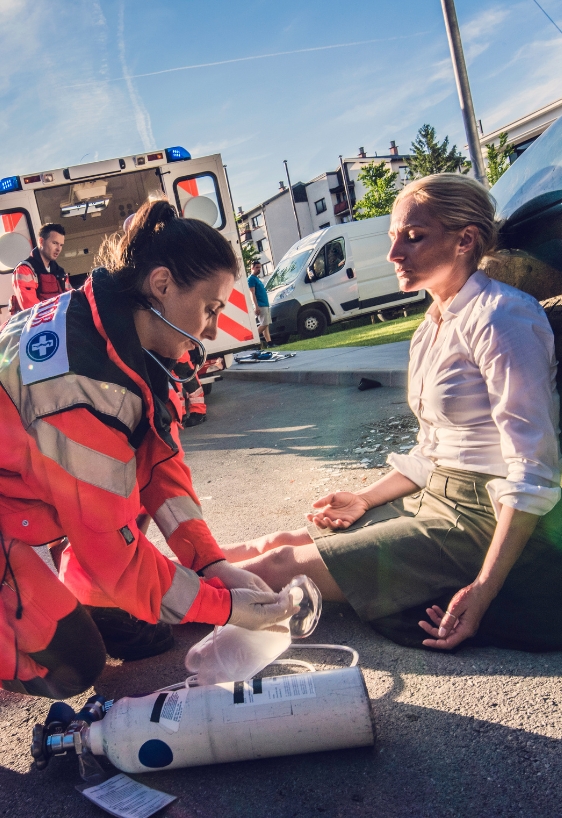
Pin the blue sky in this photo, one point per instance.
(70, 87)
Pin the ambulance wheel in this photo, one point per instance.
(207, 388)
(311, 323)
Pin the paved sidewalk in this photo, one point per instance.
(342, 366)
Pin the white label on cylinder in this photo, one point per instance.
(274, 689)
(172, 710)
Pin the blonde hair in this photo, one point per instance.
(457, 201)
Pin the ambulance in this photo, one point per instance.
(93, 200)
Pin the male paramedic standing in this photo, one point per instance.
(261, 302)
(39, 277)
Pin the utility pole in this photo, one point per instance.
(292, 195)
(346, 186)
(463, 87)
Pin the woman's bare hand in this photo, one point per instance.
(338, 510)
(461, 619)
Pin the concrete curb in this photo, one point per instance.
(397, 377)
(334, 366)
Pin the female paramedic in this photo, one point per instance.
(87, 439)
(476, 544)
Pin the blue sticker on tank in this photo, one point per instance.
(155, 753)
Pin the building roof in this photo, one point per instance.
(529, 119)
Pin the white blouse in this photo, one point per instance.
(483, 388)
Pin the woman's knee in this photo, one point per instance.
(276, 567)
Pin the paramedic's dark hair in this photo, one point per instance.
(191, 249)
(48, 228)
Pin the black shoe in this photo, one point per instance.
(128, 638)
(271, 344)
(194, 419)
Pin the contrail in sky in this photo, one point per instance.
(142, 118)
(246, 59)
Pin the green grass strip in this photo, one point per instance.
(387, 332)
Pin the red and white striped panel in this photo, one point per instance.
(235, 320)
(15, 223)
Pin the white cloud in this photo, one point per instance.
(44, 124)
(218, 145)
(479, 33)
(484, 24)
(8, 8)
(535, 79)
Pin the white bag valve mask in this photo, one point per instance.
(231, 654)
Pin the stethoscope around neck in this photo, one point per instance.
(192, 338)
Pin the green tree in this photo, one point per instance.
(249, 254)
(380, 181)
(498, 158)
(428, 156)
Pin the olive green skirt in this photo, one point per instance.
(400, 558)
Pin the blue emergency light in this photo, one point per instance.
(9, 184)
(177, 154)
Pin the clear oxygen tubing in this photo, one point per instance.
(192, 338)
(191, 681)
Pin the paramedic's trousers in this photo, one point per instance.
(49, 645)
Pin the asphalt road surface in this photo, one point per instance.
(472, 734)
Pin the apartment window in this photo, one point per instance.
(320, 206)
(403, 171)
(266, 268)
(257, 221)
(262, 244)
(322, 226)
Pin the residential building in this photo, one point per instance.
(523, 132)
(320, 203)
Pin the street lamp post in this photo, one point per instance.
(346, 186)
(463, 88)
(292, 195)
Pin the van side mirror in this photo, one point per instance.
(310, 274)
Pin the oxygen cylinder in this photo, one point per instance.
(235, 721)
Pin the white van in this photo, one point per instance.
(93, 200)
(333, 275)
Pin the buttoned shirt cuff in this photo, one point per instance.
(414, 466)
(537, 500)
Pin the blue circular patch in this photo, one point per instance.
(155, 753)
(42, 346)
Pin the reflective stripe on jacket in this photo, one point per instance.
(80, 454)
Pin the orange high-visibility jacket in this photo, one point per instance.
(31, 282)
(86, 439)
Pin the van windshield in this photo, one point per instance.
(287, 270)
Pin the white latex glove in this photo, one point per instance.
(234, 577)
(256, 610)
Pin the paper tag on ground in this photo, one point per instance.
(274, 689)
(125, 798)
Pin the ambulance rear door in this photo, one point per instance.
(199, 189)
(18, 215)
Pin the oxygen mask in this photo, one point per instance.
(231, 653)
